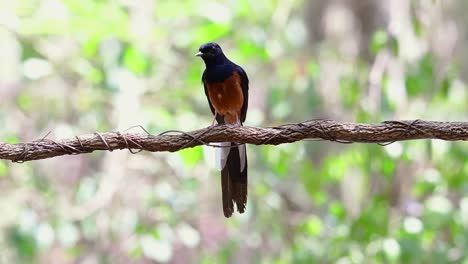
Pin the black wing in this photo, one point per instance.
(206, 93)
(219, 118)
(245, 92)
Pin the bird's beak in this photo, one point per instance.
(199, 54)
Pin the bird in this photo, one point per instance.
(227, 89)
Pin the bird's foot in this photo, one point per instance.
(238, 123)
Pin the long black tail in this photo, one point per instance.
(234, 180)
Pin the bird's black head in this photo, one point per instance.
(211, 53)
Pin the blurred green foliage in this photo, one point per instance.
(75, 67)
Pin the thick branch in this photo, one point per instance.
(385, 132)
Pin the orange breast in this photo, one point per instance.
(227, 98)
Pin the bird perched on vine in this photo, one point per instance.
(227, 89)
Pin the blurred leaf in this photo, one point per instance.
(281, 110)
(394, 46)
(417, 26)
(89, 228)
(373, 221)
(423, 188)
(173, 9)
(388, 166)
(446, 83)
(311, 183)
(3, 168)
(279, 159)
(363, 117)
(249, 50)
(211, 32)
(25, 102)
(135, 60)
(379, 40)
(313, 69)
(155, 233)
(191, 156)
(313, 226)
(420, 79)
(86, 190)
(337, 210)
(24, 243)
(319, 198)
(191, 184)
(335, 167)
(281, 167)
(29, 51)
(136, 253)
(11, 139)
(90, 45)
(276, 95)
(262, 190)
(161, 119)
(350, 91)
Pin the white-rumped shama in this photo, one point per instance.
(227, 89)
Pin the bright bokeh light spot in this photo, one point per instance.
(413, 225)
(63, 131)
(432, 175)
(35, 68)
(215, 12)
(274, 49)
(464, 210)
(344, 260)
(458, 93)
(273, 200)
(67, 234)
(314, 226)
(44, 235)
(188, 235)
(439, 204)
(440, 148)
(356, 254)
(54, 10)
(127, 221)
(254, 240)
(391, 248)
(338, 20)
(28, 221)
(157, 250)
(373, 247)
(9, 20)
(394, 150)
(86, 190)
(396, 91)
(164, 190)
(296, 32)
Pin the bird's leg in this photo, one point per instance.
(238, 122)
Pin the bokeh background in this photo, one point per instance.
(78, 66)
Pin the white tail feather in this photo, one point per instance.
(242, 157)
(222, 154)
